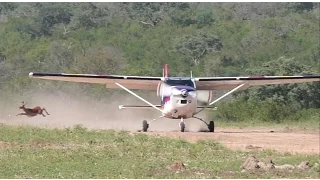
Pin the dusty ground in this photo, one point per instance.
(67, 112)
(282, 140)
(244, 139)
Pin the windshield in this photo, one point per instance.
(180, 82)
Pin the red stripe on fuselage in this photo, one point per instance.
(165, 100)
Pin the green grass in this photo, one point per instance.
(29, 152)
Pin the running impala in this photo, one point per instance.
(31, 112)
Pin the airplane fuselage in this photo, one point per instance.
(182, 105)
(178, 98)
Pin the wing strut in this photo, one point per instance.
(124, 88)
(236, 88)
(226, 94)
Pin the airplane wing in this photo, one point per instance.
(228, 83)
(130, 82)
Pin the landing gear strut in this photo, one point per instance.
(210, 125)
(145, 124)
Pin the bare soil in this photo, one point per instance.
(279, 140)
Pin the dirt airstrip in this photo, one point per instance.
(282, 140)
(244, 139)
(105, 115)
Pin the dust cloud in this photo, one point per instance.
(67, 111)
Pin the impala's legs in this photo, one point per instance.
(45, 111)
(20, 114)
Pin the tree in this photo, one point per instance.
(51, 14)
(204, 18)
(152, 13)
(100, 61)
(195, 47)
(60, 55)
(88, 15)
(7, 7)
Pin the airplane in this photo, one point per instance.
(180, 96)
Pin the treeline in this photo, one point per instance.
(211, 39)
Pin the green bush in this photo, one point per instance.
(265, 111)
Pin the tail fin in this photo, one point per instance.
(165, 71)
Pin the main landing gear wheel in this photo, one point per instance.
(145, 126)
(211, 126)
(182, 126)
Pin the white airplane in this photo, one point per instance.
(179, 95)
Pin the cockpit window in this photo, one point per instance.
(180, 82)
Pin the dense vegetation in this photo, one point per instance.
(211, 39)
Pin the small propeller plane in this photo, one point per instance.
(180, 96)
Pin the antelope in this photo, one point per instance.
(32, 112)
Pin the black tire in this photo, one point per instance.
(211, 126)
(145, 126)
(182, 126)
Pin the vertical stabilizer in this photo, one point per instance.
(165, 71)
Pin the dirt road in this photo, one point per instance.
(244, 139)
(283, 140)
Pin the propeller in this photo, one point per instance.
(204, 96)
(169, 90)
(201, 95)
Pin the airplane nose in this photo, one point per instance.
(184, 93)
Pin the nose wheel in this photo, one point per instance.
(182, 125)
